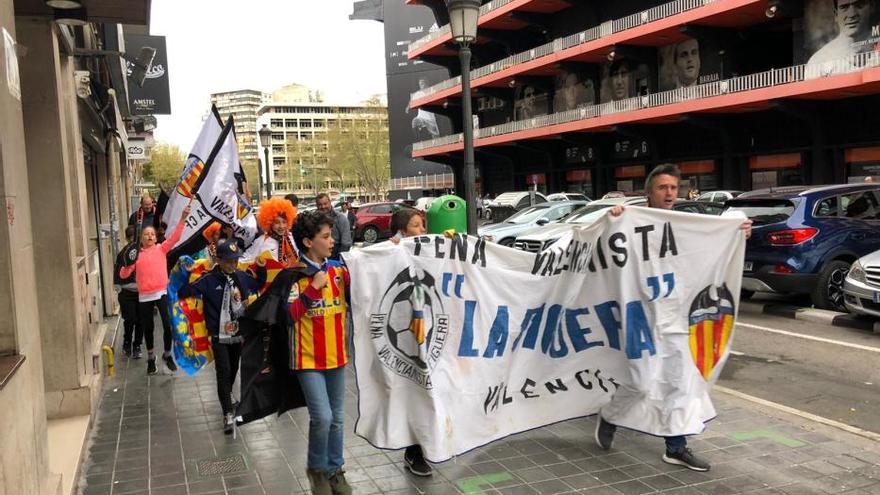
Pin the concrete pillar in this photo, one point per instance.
(24, 461)
(54, 162)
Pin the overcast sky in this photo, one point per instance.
(224, 45)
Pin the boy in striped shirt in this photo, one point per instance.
(318, 304)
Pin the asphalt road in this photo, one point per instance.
(838, 379)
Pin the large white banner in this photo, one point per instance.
(460, 342)
(217, 188)
(184, 194)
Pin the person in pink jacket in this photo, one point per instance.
(151, 275)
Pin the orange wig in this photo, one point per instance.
(271, 209)
(210, 230)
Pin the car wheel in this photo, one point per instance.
(508, 242)
(487, 214)
(745, 294)
(371, 234)
(828, 293)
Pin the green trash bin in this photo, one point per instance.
(447, 212)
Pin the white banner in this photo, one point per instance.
(183, 194)
(217, 189)
(459, 342)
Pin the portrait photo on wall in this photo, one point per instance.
(530, 102)
(687, 63)
(410, 125)
(624, 78)
(836, 29)
(574, 89)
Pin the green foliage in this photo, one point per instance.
(165, 166)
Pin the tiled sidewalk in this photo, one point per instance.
(162, 435)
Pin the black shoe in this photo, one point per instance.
(136, 352)
(169, 362)
(126, 349)
(151, 366)
(687, 459)
(604, 434)
(228, 423)
(415, 462)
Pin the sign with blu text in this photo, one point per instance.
(460, 342)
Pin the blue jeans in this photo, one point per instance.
(675, 445)
(325, 396)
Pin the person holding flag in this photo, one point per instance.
(151, 276)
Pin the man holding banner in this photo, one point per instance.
(661, 189)
(611, 318)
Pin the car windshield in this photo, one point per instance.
(527, 215)
(763, 211)
(587, 214)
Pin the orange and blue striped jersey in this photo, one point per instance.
(319, 316)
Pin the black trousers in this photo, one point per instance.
(145, 315)
(226, 359)
(128, 306)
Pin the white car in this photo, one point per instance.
(537, 238)
(423, 203)
(718, 196)
(861, 289)
(567, 196)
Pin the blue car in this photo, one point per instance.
(805, 238)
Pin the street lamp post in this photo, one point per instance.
(463, 16)
(265, 140)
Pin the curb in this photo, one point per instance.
(813, 315)
(870, 435)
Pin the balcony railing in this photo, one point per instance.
(484, 9)
(605, 29)
(431, 181)
(773, 77)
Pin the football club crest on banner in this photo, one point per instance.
(711, 322)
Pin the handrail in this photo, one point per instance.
(607, 28)
(429, 181)
(769, 78)
(446, 29)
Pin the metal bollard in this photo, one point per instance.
(111, 367)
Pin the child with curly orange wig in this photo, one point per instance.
(276, 216)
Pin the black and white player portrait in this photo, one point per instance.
(573, 90)
(424, 124)
(839, 29)
(686, 59)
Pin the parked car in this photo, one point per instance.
(861, 290)
(506, 204)
(505, 232)
(718, 196)
(567, 196)
(373, 221)
(805, 238)
(423, 203)
(538, 238)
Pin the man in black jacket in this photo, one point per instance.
(145, 216)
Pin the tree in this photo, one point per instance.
(251, 172)
(358, 148)
(165, 166)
